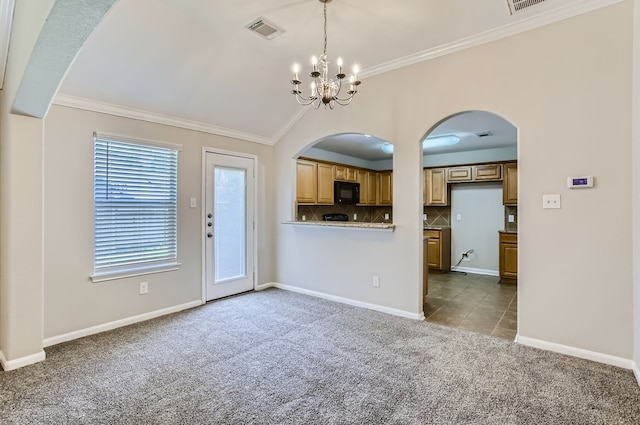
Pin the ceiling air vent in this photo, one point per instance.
(265, 28)
(483, 134)
(518, 5)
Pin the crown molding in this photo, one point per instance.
(138, 114)
(557, 14)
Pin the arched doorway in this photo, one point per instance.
(470, 216)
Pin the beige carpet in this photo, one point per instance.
(276, 357)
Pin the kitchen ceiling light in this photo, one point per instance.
(439, 141)
(323, 89)
(386, 148)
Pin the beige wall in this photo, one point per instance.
(71, 301)
(567, 87)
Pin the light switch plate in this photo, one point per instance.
(551, 201)
(193, 203)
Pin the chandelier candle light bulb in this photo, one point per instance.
(324, 89)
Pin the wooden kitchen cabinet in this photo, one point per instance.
(487, 172)
(435, 187)
(314, 183)
(306, 182)
(510, 184)
(474, 173)
(325, 183)
(508, 257)
(459, 174)
(439, 249)
(346, 174)
(385, 188)
(368, 187)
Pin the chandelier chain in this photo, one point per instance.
(324, 52)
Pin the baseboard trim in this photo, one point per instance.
(264, 286)
(577, 352)
(636, 372)
(8, 365)
(375, 307)
(477, 271)
(118, 323)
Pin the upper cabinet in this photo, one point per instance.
(314, 182)
(306, 182)
(368, 187)
(346, 174)
(325, 183)
(474, 173)
(435, 187)
(385, 188)
(510, 184)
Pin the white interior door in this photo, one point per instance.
(229, 225)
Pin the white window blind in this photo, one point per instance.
(135, 205)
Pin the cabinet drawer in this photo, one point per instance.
(433, 234)
(508, 238)
(459, 174)
(487, 172)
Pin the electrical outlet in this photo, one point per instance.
(424, 217)
(512, 218)
(376, 281)
(465, 256)
(304, 218)
(458, 216)
(355, 217)
(144, 288)
(386, 216)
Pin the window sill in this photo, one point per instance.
(134, 271)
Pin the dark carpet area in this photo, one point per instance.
(276, 357)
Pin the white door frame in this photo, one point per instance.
(203, 214)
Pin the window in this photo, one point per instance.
(135, 208)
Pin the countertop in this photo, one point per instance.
(436, 227)
(344, 224)
(508, 231)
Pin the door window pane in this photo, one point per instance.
(230, 223)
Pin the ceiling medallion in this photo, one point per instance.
(324, 90)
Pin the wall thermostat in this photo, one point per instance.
(579, 182)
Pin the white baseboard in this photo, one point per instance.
(355, 303)
(476, 271)
(118, 323)
(265, 286)
(636, 372)
(8, 365)
(578, 352)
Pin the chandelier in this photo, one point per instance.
(324, 90)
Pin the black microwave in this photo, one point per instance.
(346, 193)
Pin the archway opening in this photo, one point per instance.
(333, 167)
(470, 216)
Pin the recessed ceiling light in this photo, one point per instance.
(387, 148)
(439, 141)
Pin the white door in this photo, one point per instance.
(229, 225)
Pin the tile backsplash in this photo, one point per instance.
(511, 227)
(441, 216)
(438, 216)
(364, 214)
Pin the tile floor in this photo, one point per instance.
(473, 302)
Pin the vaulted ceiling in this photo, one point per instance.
(194, 62)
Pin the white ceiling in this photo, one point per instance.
(194, 60)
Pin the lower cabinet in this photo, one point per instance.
(508, 257)
(439, 249)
